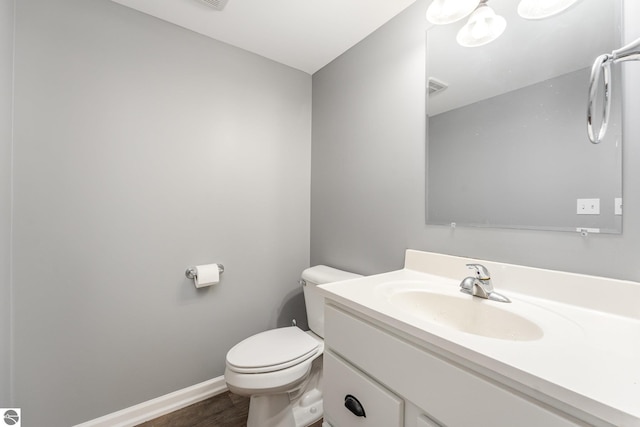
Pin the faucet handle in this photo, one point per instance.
(467, 284)
(481, 271)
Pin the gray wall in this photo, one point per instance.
(368, 167)
(141, 149)
(6, 94)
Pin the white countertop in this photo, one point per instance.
(588, 358)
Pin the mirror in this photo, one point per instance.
(507, 144)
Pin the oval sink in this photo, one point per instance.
(466, 314)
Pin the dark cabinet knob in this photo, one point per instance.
(352, 404)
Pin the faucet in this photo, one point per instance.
(480, 285)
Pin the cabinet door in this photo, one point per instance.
(353, 399)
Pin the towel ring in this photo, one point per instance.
(602, 65)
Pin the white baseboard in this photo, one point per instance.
(159, 406)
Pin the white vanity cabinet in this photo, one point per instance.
(399, 383)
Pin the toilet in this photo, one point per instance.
(281, 369)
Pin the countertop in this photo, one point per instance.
(587, 363)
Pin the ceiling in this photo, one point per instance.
(303, 34)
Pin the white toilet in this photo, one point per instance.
(281, 369)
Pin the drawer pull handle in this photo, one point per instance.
(352, 404)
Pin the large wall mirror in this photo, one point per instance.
(507, 143)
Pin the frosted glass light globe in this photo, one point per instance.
(442, 12)
(483, 27)
(540, 9)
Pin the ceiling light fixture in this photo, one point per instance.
(441, 12)
(483, 27)
(540, 9)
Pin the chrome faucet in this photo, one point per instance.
(480, 285)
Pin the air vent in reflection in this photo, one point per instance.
(216, 4)
(436, 85)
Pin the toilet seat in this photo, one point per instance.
(272, 351)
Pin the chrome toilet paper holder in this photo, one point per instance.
(191, 272)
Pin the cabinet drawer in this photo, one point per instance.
(452, 395)
(381, 408)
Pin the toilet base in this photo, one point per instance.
(277, 410)
(299, 408)
(270, 411)
(307, 414)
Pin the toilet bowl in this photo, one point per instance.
(281, 369)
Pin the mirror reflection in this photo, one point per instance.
(507, 143)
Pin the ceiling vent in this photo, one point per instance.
(216, 4)
(436, 86)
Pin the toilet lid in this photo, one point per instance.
(272, 350)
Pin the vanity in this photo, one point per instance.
(407, 348)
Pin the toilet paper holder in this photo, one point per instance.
(191, 272)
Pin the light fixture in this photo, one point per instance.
(443, 12)
(483, 27)
(540, 9)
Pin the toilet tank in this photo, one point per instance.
(312, 277)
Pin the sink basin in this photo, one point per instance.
(467, 314)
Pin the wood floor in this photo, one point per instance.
(225, 410)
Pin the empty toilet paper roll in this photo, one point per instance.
(206, 275)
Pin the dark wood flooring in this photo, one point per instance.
(224, 410)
